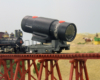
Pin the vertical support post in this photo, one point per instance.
(46, 70)
(35, 68)
(5, 70)
(23, 69)
(40, 72)
(52, 74)
(71, 71)
(29, 73)
(11, 70)
(58, 70)
(85, 71)
(79, 74)
(76, 70)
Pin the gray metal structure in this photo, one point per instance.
(55, 46)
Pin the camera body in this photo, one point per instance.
(49, 31)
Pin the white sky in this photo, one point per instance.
(84, 13)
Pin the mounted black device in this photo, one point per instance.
(47, 30)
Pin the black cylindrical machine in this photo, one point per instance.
(48, 29)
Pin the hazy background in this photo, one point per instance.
(84, 13)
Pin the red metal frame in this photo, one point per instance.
(6, 70)
(24, 71)
(78, 59)
(47, 72)
(78, 69)
(4, 76)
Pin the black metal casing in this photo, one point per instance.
(45, 29)
(10, 41)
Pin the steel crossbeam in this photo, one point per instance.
(52, 56)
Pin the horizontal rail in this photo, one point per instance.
(52, 56)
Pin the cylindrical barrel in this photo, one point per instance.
(38, 24)
(55, 29)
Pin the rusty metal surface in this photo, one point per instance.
(51, 56)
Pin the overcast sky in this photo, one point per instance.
(84, 13)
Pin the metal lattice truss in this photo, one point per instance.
(78, 63)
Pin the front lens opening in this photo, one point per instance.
(70, 32)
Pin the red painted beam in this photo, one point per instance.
(52, 56)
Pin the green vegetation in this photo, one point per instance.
(96, 39)
(77, 52)
(38, 67)
(81, 43)
(90, 52)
